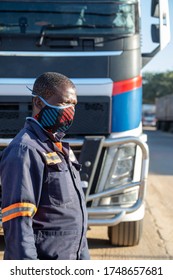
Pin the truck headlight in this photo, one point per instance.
(121, 172)
(122, 167)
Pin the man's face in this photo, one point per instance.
(53, 117)
(62, 97)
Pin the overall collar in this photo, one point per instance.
(44, 136)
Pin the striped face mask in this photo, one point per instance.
(55, 118)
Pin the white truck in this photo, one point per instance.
(164, 113)
(98, 45)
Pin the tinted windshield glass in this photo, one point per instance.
(69, 17)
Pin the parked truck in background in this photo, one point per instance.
(97, 44)
(148, 115)
(164, 113)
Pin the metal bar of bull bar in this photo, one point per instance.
(102, 213)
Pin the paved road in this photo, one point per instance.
(157, 238)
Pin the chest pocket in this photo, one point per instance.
(60, 185)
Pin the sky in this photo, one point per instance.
(163, 61)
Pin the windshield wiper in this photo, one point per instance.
(57, 27)
(49, 27)
(115, 37)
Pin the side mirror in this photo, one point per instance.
(160, 32)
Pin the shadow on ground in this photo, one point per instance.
(95, 243)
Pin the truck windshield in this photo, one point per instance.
(110, 18)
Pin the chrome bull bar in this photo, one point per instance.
(112, 215)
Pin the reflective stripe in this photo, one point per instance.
(127, 85)
(17, 210)
(52, 158)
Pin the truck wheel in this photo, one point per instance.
(164, 126)
(126, 233)
(158, 125)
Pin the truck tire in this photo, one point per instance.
(164, 126)
(126, 233)
(158, 125)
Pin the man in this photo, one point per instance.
(43, 207)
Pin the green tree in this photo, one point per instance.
(156, 85)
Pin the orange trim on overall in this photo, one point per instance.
(15, 210)
(18, 214)
(19, 204)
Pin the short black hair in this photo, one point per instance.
(48, 83)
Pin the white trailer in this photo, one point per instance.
(164, 113)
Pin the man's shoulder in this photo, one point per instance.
(25, 138)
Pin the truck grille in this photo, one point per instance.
(12, 117)
(92, 116)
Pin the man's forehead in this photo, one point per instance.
(65, 91)
(67, 94)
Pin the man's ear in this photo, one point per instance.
(38, 103)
